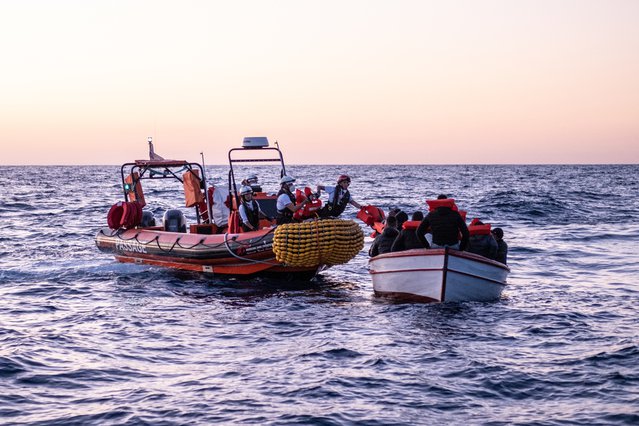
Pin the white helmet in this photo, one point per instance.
(246, 190)
(286, 180)
(251, 178)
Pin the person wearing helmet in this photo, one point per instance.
(338, 197)
(286, 201)
(251, 181)
(249, 209)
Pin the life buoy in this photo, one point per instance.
(446, 202)
(411, 224)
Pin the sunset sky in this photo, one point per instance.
(420, 82)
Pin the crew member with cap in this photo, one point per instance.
(338, 197)
(250, 212)
(286, 201)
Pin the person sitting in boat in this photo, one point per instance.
(250, 212)
(400, 215)
(286, 201)
(384, 241)
(481, 241)
(407, 238)
(502, 247)
(338, 198)
(445, 226)
(251, 181)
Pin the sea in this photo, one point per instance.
(85, 340)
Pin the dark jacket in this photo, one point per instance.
(407, 240)
(445, 225)
(502, 251)
(383, 241)
(483, 245)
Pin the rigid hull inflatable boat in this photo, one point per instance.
(217, 243)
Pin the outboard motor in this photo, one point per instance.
(174, 221)
(148, 219)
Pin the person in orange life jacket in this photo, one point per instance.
(384, 241)
(249, 209)
(445, 225)
(338, 198)
(502, 247)
(286, 201)
(407, 238)
(484, 244)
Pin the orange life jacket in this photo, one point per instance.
(476, 229)
(371, 214)
(446, 202)
(411, 224)
(310, 209)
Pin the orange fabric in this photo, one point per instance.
(371, 214)
(234, 222)
(446, 202)
(411, 224)
(479, 229)
(192, 192)
(135, 192)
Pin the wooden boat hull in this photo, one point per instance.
(246, 253)
(437, 275)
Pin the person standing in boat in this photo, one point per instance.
(384, 241)
(502, 247)
(338, 198)
(445, 225)
(286, 201)
(250, 212)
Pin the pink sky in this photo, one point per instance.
(423, 82)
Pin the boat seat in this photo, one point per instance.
(174, 221)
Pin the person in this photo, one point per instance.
(338, 198)
(384, 241)
(286, 201)
(502, 247)
(251, 181)
(250, 212)
(407, 238)
(482, 244)
(402, 217)
(446, 224)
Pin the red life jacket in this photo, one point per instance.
(371, 214)
(310, 209)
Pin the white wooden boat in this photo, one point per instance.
(437, 275)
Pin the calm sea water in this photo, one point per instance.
(86, 340)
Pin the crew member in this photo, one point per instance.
(286, 201)
(338, 197)
(250, 212)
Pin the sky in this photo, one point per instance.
(333, 81)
